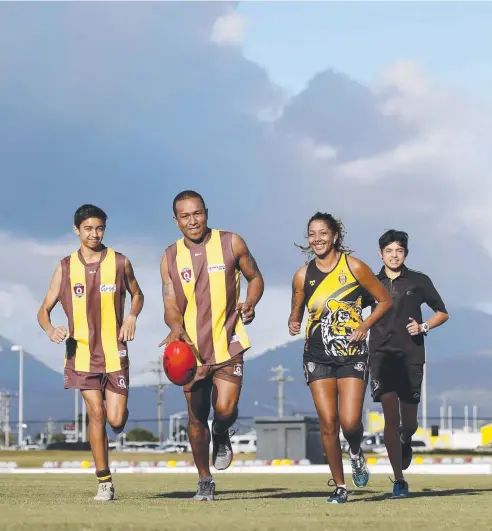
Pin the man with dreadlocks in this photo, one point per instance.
(331, 285)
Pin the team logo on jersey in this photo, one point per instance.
(311, 366)
(107, 288)
(342, 278)
(121, 382)
(312, 282)
(186, 274)
(340, 319)
(238, 370)
(79, 290)
(360, 366)
(215, 268)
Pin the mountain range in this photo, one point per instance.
(459, 365)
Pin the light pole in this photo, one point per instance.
(160, 388)
(20, 350)
(281, 379)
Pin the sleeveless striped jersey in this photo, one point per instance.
(334, 303)
(206, 281)
(93, 298)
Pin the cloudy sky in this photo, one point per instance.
(379, 113)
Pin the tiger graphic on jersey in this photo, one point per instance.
(337, 325)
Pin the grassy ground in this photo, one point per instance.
(262, 502)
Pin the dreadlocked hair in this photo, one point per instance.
(335, 225)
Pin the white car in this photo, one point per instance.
(244, 444)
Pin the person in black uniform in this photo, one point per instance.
(397, 353)
(335, 360)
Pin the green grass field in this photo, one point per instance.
(245, 502)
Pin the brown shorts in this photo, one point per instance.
(230, 370)
(116, 382)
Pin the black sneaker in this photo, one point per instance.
(406, 454)
(205, 490)
(339, 495)
(222, 450)
(400, 488)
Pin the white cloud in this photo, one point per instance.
(448, 153)
(317, 150)
(229, 29)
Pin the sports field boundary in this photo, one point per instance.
(430, 469)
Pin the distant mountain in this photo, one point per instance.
(459, 368)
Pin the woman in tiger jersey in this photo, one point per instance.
(91, 285)
(331, 286)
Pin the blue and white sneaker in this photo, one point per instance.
(360, 472)
(339, 495)
(400, 488)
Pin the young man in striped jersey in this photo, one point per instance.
(201, 283)
(91, 285)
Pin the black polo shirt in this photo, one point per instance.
(408, 291)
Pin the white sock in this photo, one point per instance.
(353, 456)
(344, 486)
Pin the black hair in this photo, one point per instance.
(335, 225)
(393, 235)
(187, 194)
(88, 211)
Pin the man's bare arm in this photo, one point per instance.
(249, 268)
(56, 334)
(134, 289)
(127, 331)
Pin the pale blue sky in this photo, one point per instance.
(294, 40)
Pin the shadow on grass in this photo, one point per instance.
(255, 494)
(219, 493)
(426, 493)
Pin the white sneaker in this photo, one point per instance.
(105, 492)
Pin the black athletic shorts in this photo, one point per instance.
(394, 373)
(314, 370)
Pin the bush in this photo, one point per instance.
(140, 435)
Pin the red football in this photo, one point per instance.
(179, 363)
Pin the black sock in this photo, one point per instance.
(221, 425)
(104, 476)
(354, 439)
(407, 434)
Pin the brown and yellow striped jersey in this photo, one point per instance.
(93, 298)
(206, 281)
